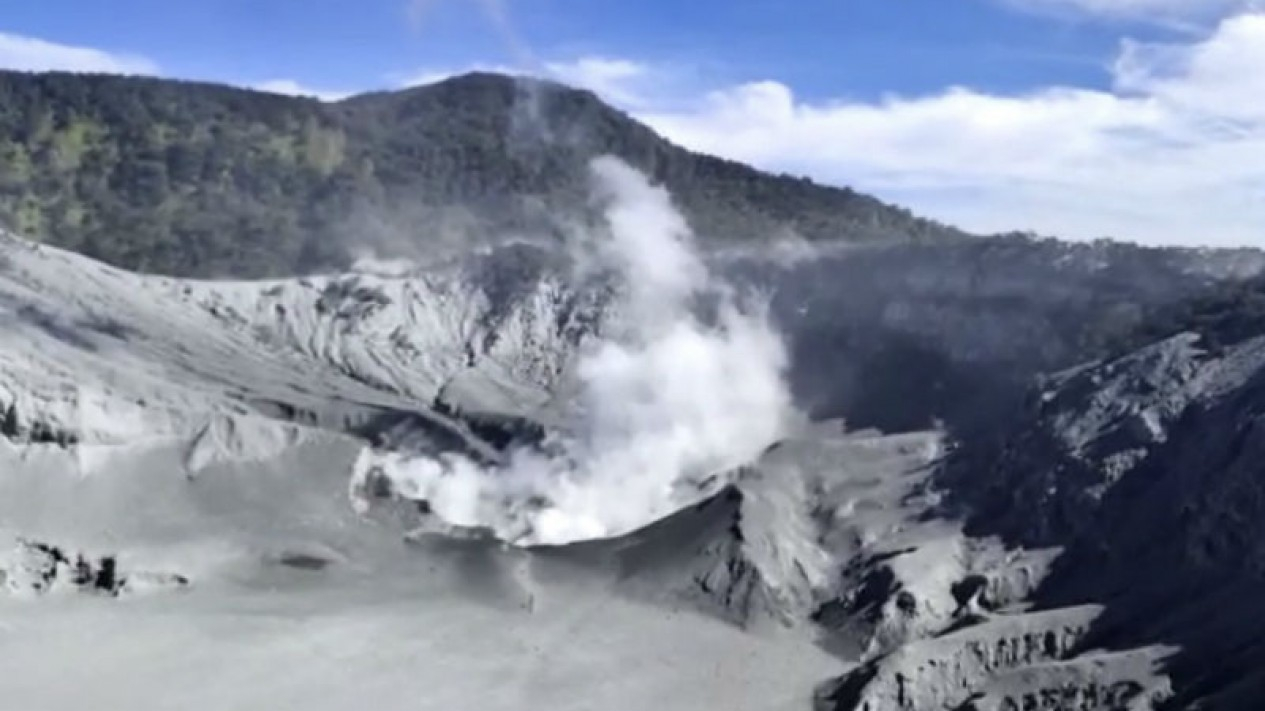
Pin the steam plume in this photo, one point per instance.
(497, 15)
(666, 400)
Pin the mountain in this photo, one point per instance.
(255, 453)
(200, 180)
(1134, 479)
(402, 467)
(1144, 470)
(244, 453)
(638, 472)
(180, 469)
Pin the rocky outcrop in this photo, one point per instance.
(36, 568)
(102, 356)
(1145, 470)
(1010, 661)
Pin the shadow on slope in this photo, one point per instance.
(1147, 472)
(693, 557)
(900, 337)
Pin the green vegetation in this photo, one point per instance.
(1224, 316)
(203, 180)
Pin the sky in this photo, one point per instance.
(1140, 120)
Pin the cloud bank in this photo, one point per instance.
(1172, 153)
(30, 54)
(1179, 13)
(290, 87)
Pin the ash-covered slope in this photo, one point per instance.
(263, 463)
(1133, 487)
(592, 467)
(642, 382)
(97, 355)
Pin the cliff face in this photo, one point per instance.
(901, 337)
(1145, 471)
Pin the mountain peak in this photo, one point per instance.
(195, 179)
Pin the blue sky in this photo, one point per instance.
(1080, 118)
(827, 48)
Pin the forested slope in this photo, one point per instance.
(197, 179)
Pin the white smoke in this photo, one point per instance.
(367, 261)
(665, 399)
(497, 16)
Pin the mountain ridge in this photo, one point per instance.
(195, 179)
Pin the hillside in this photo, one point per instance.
(255, 453)
(505, 443)
(202, 180)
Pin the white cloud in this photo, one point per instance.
(38, 55)
(30, 54)
(631, 85)
(1122, 7)
(434, 75)
(1223, 76)
(619, 80)
(1185, 14)
(289, 87)
(1174, 154)
(494, 12)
